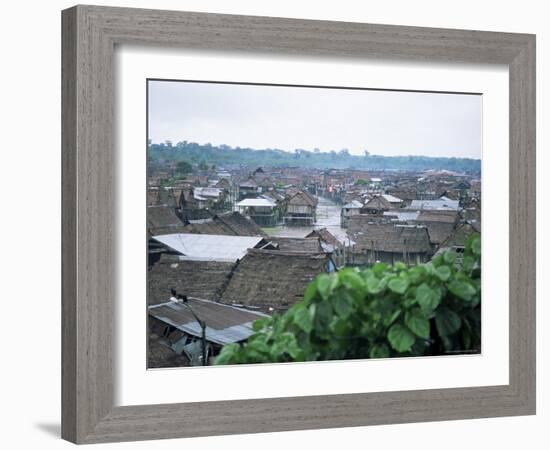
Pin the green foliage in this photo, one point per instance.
(361, 182)
(183, 167)
(384, 311)
(272, 157)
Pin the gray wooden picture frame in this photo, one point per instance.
(90, 34)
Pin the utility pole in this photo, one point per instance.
(185, 302)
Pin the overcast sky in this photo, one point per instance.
(382, 122)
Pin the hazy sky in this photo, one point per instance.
(382, 122)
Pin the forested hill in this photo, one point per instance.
(225, 155)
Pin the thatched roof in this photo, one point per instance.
(160, 355)
(249, 184)
(202, 279)
(194, 213)
(230, 224)
(325, 236)
(287, 244)
(440, 224)
(472, 214)
(438, 216)
(407, 194)
(439, 231)
(303, 198)
(152, 196)
(161, 196)
(387, 237)
(359, 222)
(378, 202)
(272, 278)
(163, 220)
(274, 195)
(459, 236)
(223, 183)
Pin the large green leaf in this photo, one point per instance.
(462, 289)
(443, 273)
(323, 316)
(228, 355)
(379, 351)
(340, 327)
(379, 268)
(417, 323)
(351, 279)
(468, 264)
(476, 245)
(374, 284)
(260, 324)
(284, 343)
(400, 337)
(303, 318)
(427, 298)
(447, 321)
(324, 285)
(417, 274)
(311, 291)
(343, 304)
(389, 319)
(449, 257)
(398, 285)
(258, 345)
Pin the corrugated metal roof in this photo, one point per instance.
(224, 324)
(391, 198)
(255, 202)
(402, 215)
(209, 247)
(354, 204)
(442, 203)
(207, 191)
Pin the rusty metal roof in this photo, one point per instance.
(225, 324)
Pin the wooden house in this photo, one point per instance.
(390, 243)
(457, 239)
(440, 224)
(248, 189)
(377, 205)
(330, 244)
(349, 210)
(301, 210)
(262, 211)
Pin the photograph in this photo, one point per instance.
(290, 224)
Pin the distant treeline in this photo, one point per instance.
(225, 155)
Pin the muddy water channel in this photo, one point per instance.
(328, 216)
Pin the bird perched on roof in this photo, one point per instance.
(178, 297)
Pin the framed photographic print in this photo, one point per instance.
(306, 210)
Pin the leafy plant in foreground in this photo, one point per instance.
(379, 312)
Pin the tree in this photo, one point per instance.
(203, 166)
(380, 312)
(183, 167)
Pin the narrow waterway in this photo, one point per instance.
(328, 216)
